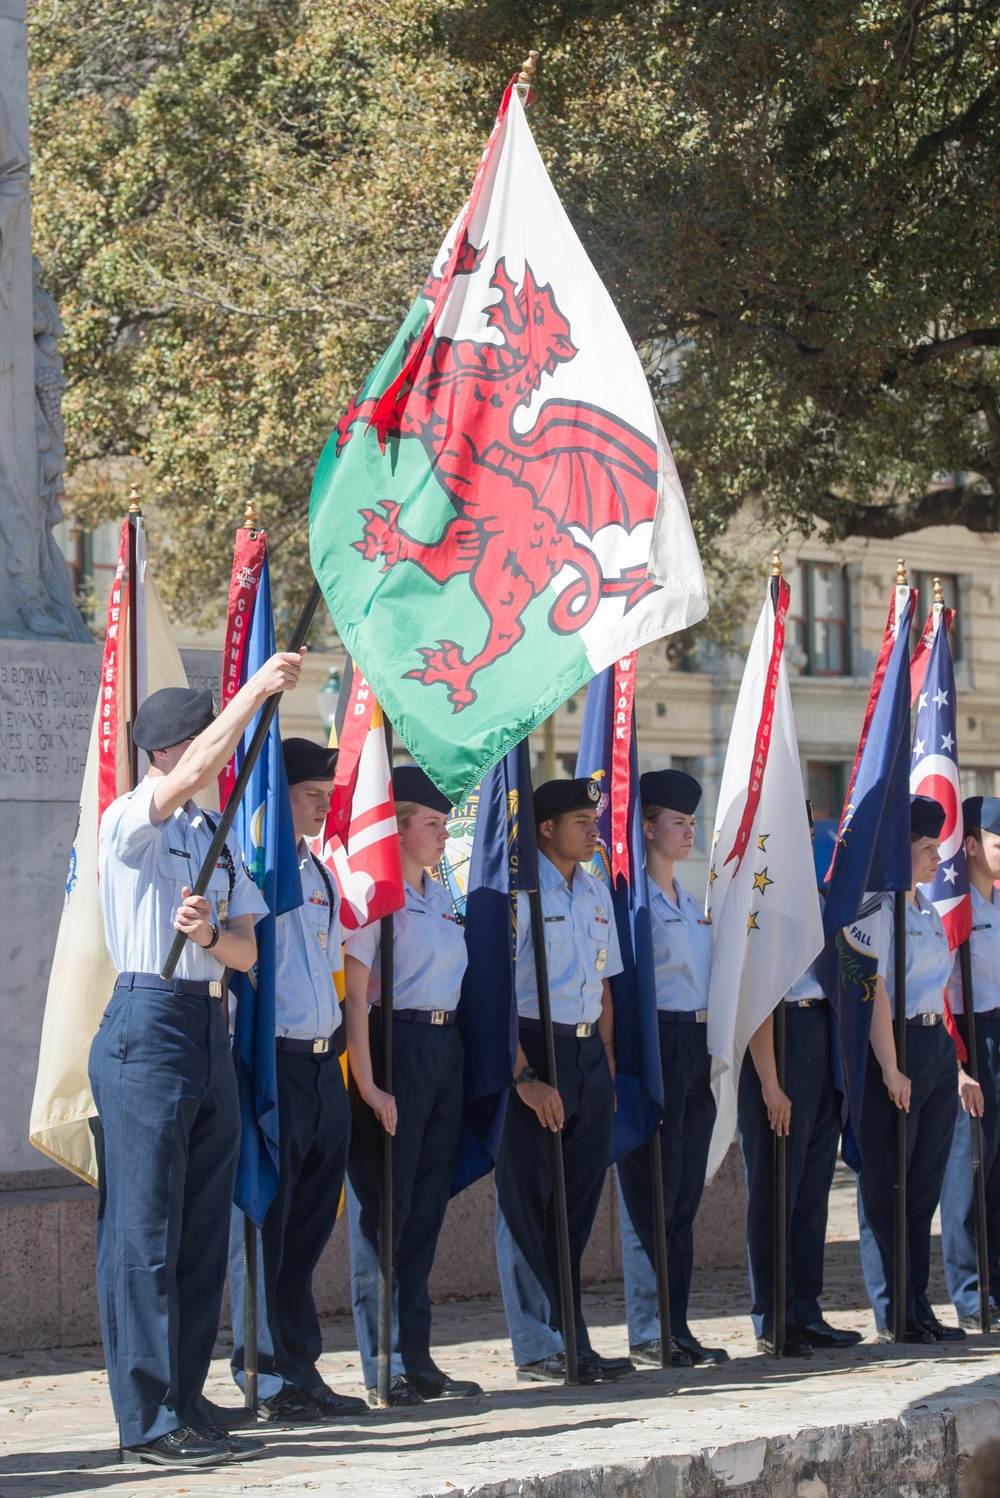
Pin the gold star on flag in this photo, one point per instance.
(712, 876)
(761, 840)
(752, 921)
(761, 881)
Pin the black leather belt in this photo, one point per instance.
(421, 1016)
(582, 1031)
(683, 1016)
(804, 1003)
(325, 1045)
(200, 988)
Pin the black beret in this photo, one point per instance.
(409, 783)
(982, 812)
(170, 716)
(673, 789)
(926, 816)
(305, 760)
(557, 796)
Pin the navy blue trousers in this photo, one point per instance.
(958, 1218)
(685, 1135)
(427, 1086)
(525, 1222)
(932, 1069)
(811, 1156)
(163, 1081)
(314, 1128)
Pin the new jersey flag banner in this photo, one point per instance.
(263, 825)
(608, 754)
(761, 900)
(872, 854)
(82, 976)
(497, 516)
(934, 772)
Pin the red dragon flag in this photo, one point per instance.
(762, 899)
(497, 516)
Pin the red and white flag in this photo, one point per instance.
(762, 899)
(82, 976)
(248, 564)
(360, 844)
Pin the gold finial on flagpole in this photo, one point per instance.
(134, 500)
(526, 76)
(901, 574)
(776, 564)
(250, 517)
(938, 591)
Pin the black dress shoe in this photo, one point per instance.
(335, 1406)
(401, 1392)
(552, 1370)
(648, 1354)
(941, 1333)
(179, 1448)
(231, 1418)
(699, 1354)
(604, 1369)
(795, 1344)
(240, 1448)
(916, 1333)
(433, 1384)
(971, 1323)
(822, 1334)
(289, 1407)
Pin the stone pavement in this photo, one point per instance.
(873, 1420)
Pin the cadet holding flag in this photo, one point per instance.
(581, 947)
(425, 1112)
(163, 1078)
(981, 816)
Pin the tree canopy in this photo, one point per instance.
(794, 206)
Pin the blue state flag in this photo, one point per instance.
(872, 855)
(639, 1079)
(487, 1013)
(263, 825)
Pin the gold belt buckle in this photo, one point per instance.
(701, 1016)
(321, 1045)
(584, 1031)
(215, 988)
(439, 1016)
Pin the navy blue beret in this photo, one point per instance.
(982, 812)
(305, 760)
(926, 816)
(409, 783)
(170, 716)
(673, 789)
(557, 796)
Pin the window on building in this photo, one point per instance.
(827, 785)
(817, 620)
(924, 582)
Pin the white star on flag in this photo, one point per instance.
(950, 873)
(918, 746)
(934, 772)
(940, 698)
(947, 741)
(923, 701)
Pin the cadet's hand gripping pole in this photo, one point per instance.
(976, 1130)
(526, 829)
(899, 1274)
(257, 743)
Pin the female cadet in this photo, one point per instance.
(926, 1093)
(424, 1113)
(682, 953)
(807, 1110)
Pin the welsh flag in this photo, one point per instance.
(497, 516)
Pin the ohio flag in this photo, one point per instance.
(497, 516)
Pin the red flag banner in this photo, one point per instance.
(113, 678)
(248, 561)
(763, 740)
(621, 747)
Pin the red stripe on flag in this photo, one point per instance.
(763, 741)
(921, 654)
(115, 646)
(357, 718)
(621, 749)
(248, 564)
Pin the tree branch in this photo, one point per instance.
(969, 507)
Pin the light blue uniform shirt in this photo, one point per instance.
(928, 960)
(143, 868)
(429, 956)
(806, 987)
(581, 945)
(984, 951)
(307, 942)
(682, 950)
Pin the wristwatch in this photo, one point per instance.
(527, 1075)
(215, 937)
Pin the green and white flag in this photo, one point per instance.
(497, 516)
